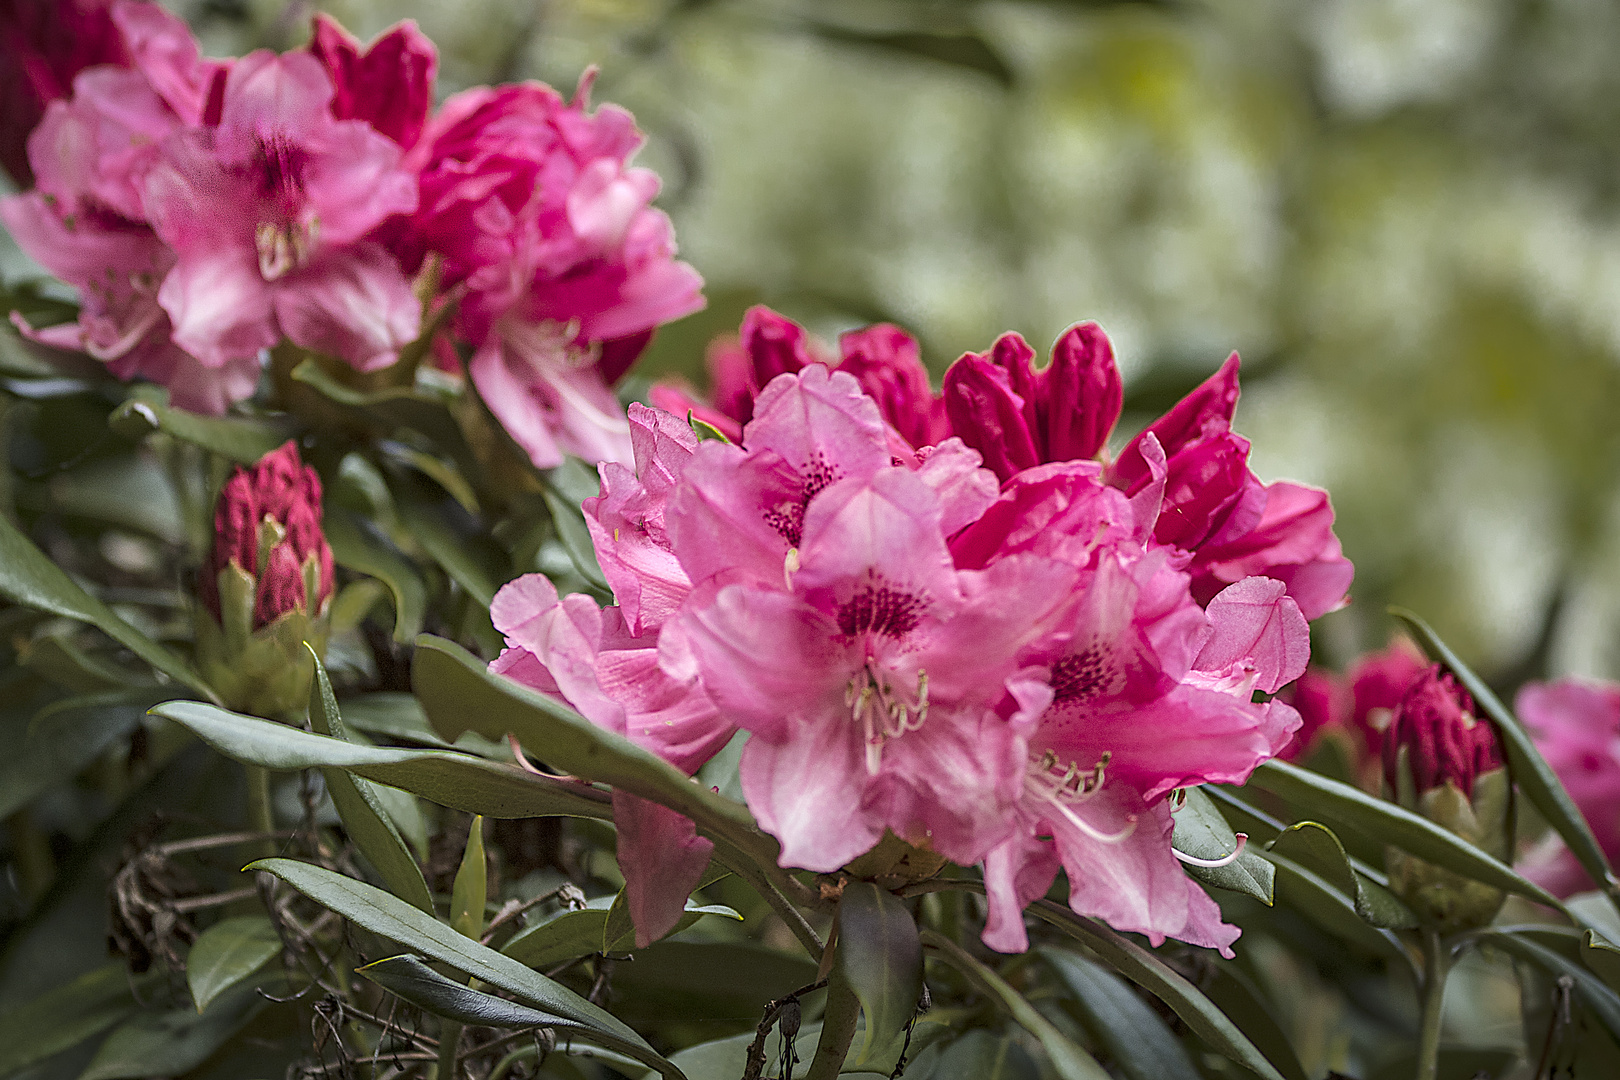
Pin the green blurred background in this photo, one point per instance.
(1404, 214)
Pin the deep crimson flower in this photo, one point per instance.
(267, 524)
(44, 44)
(388, 85)
(539, 220)
(1434, 724)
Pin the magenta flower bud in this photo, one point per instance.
(1444, 763)
(888, 364)
(266, 588)
(1208, 483)
(988, 414)
(776, 344)
(1083, 394)
(389, 85)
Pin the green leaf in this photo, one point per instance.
(237, 438)
(354, 548)
(65, 737)
(1136, 1036)
(1530, 771)
(227, 953)
(459, 781)
(29, 578)
(1307, 891)
(1318, 796)
(1314, 847)
(1602, 957)
(1594, 993)
(469, 894)
(175, 1042)
(881, 958)
(1151, 973)
(1201, 831)
(461, 694)
(391, 408)
(396, 920)
(419, 984)
(1070, 1062)
(569, 935)
(566, 487)
(472, 561)
(985, 1056)
(66, 1016)
(704, 430)
(361, 808)
(1231, 990)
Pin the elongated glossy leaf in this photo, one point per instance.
(1307, 891)
(396, 920)
(29, 578)
(881, 958)
(1136, 1036)
(1069, 1060)
(227, 953)
(1602, 957)
(1313, 846)
(461, 694)
(1594, 992)
(474, 563)
(1203, 833)
(985, 1056)
(572, 934)
(1235, 994)
(1530, 771)
(237, 438)
(175, 1042)
(360, 808)
(354, 548)
(470, 892)
(1149, 972)
(421, 985)
(1318, 796)
(66, 736)
(459, 781)
(67, 1015)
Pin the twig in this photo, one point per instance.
(756, 1049)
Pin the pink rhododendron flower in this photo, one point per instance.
(587, 657)
(549, 236)
(1576, 725)
(268, 215)
(884, 359)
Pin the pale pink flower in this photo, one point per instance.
(268, 216)
(1576, 725)
(586, 656)
(547, 234)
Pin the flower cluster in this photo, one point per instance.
(207, 210)
(1016, 670)
(1576, 725)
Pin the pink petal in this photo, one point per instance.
(633, 550)
(821, 424)
(355, 305)
(219, 306)
(1255, 622)
(807, 792)
(735, 513)
(290, 91)
(663, 860)
(508, 398)
(1134, 883)
(1017, 872)
(1083, 394)
(163, 49)
(965, 490)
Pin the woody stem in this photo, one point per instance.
(259, 816)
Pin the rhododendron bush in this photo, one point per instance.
(416, 694)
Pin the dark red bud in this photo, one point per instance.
(989, 416)
(1083, 394)
(282, 489)
(775, 343)
(43, 45)
(390, 85)
(1436, 723)
(888, 364)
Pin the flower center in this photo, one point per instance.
(879, 608)
(1062, 787)
(882, 714)
(284, 248)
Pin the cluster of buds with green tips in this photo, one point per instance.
(1444, 763)
(266, 588)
